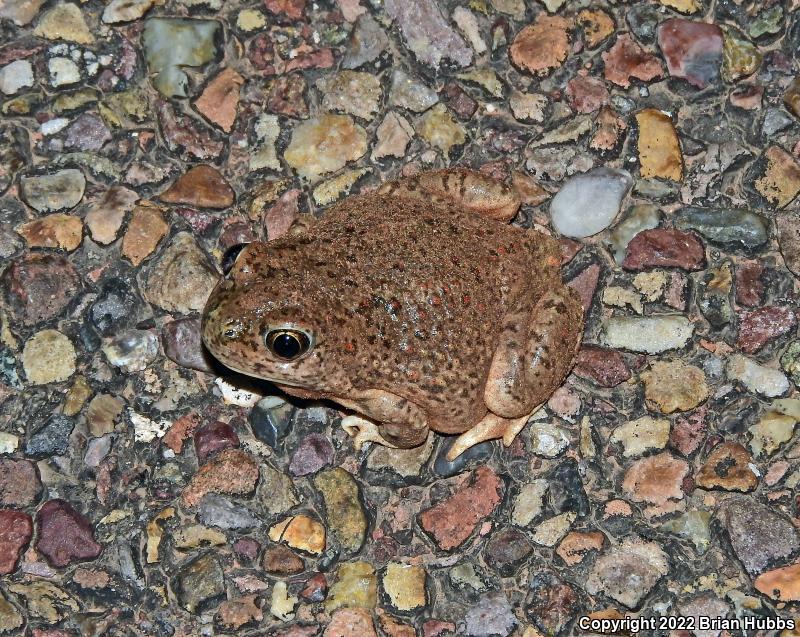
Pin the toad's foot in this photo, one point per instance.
(490, 428)
(363, 430)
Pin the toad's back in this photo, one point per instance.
(424, 286)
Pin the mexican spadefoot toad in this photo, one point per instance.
(415, 306)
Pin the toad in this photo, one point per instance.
(416, 306)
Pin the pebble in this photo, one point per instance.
(771, 431)
(757, 378)
(642, 435)
(780, 182)
(692, 50)
(542, 46)
(628, 571)
(16, 76)
(21, 13)
(566, 492)
(213, 437)
(300, 532)
(201, 186)
(347, 622)
(728, 467)
(409, 93)
(325, 144)
(145, 230)
(132, 350)
(427, 34)
(647, 334)
(506, 550)
(125, 10)
(597, 26)
(198, 582)
(549, 532)
(356, 585)
(353, 92)
(627, 59)
(53, 231)
(347, 520)
(451, 522)
(48, 357)
(671, 386)
(219, 511)
(57, 191)
(528, 504)
(727, 227)
(605, 367)
(657, 481)
(63, 72)
(64, 22)
(232, 471)
(280, 560)
(367, 42)
(781, 584)
(599, 191)
(271, 420)
(16, 530)
(172, 44)
(20, 485)
(528, 107)
(551, 602)
(183, 345)
(491, 615)
(219, 101)
(439, 129)
(105, 217)
(547, 439)
(39, 286)
(393, 136)
(658, 146)
(241, 612)
(788, 227)
(312, 454)
(404, 585)
(576, 545)
(760, 536)
(64, 536)
(763, 325)
(587, 94)
(102, 413)
(181, 278)
(790, 361)
(665, 247)
(694, 526)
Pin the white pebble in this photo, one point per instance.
(650, 334)
(63, 71)
(588, 203)
(15, 76)
(757, 378)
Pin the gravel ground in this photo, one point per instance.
(145, 491)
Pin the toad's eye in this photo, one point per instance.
(229, 258)
(287, 344)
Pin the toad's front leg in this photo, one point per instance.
(384, 418)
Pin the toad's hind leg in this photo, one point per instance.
(490, 428)
(536, 351)
(468, 189)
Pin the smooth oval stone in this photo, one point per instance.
(589, 202)
(725, 226)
